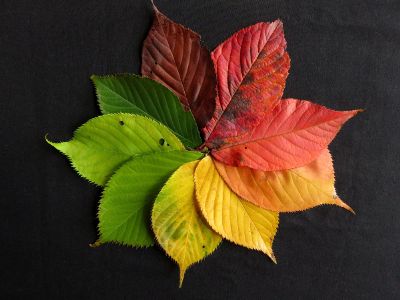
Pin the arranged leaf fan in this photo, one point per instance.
(203, 147)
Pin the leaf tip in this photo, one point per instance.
(273, 258)
(182, 271)
(154, 6)
(46, 137)
(96, 244)
(359, 110)
(342, 204)
(58, 146)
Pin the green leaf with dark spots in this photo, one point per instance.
(143, 96)
(103, 144)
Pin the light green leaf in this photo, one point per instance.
(178, 226)
(101, 145)
(125, 207)
(143, 96)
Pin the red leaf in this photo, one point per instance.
(292, 135)
(251, 68)
(173, 55)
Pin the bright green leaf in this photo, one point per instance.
(143, 96)
(125, 207)
(101, 145)
(178, 227)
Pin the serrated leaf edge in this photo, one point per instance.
(275, 227)
(182, 272)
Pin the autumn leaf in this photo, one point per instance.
(232, 217)
(292, 135)
(173, 55)
(125, 206)
(251, 68)
(288, 190)
(257, 155)
(101, 145)
(142, 96)
(177, 225)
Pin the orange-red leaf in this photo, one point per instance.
(251, 68)
(292, 135)
(285, 191)
(172, 54)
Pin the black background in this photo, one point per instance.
(345, 54)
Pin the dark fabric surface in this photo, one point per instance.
(345, 54)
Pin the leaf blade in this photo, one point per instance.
(173, 55)
(130, 93)
(292, 135)
(288, 190)
(177, 225)
(232, 217)
(101, 145)
(251, 68)
(125, 207)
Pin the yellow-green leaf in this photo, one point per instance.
(232, 217)
(125, 207)
(103, 144)
(177, 225)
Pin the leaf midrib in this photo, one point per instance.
(276, 135)
(234, 94)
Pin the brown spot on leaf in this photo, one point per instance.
(248, 79)
(216, 143)
(237, 158)
(237, 107)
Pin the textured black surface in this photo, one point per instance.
(345, 54)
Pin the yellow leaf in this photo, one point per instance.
(288, 190)
(232, 217)
(177, 225)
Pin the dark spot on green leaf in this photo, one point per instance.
(161, 141)
(168, 145)
(121, 123)
(203, 246)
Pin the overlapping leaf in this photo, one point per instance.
(292, 135)
(173, 55)
(125, 207)
(232, 217)
(267, 155)
(101, 145)
(288, 190)
(251, 68)
(142, 96)
(177, 225)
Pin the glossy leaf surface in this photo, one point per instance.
(142, 96)
(177, 225)
(288, 190)
(173, 55)
(101, 145)
(251, 68)
(125, 206)
(232, 217)
(292, 135)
